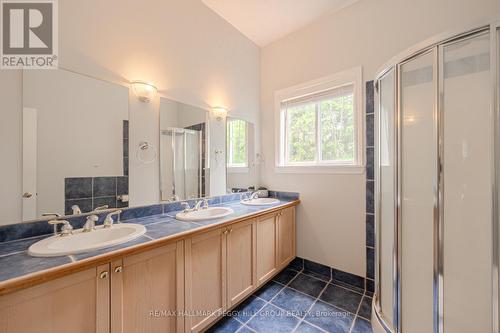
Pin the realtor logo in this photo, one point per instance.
(29, 34)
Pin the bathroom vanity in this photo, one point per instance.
(178, 283)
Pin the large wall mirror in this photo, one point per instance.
(184, 146)
(74, 144)
(74, 134)
(241, 156)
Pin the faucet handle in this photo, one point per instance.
(205, 204)
(90, 223)
(185, 206)
(108, 221)
(51, 215)
(76, 210)
(104, 207)
(66, 229)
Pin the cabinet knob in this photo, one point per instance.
(103, 275)
(231, 230)
(118, 269)
(225, 232)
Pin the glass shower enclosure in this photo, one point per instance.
(181, 170)
(437, 186)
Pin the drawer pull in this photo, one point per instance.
(118, 269)
(103, 275)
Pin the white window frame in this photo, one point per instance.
(351, 76)
(235, 168)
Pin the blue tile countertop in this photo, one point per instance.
(18, 269)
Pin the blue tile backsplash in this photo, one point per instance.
(91, 192)
(17, 231)
(76, 188)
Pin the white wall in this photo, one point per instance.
(11, 124)
(331, 220)
(189, 52)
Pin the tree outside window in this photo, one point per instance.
(320, 129)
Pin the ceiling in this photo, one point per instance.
(264, 21)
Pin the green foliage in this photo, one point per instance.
(337, 129)
(336, 126)
(236, 142)
(302, 133)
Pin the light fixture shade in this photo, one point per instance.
(143, 90)
(220, 112)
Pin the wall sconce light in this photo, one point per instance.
(219, 112)
(143, 90)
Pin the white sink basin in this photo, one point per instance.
(86, 241)
(204, 214)
(260, 202)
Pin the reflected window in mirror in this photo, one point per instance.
(237, 153)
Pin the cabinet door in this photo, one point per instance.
(78, 303)
(205, 279)
(266, 247)
(286, 236)
(241, 258)
(147, 291)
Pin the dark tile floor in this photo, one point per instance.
(295, 301)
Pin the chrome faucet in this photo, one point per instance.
(186, 207)
(66, 229)
(108, 221)
(201, 204)
(76, 210)
(255, 195)
(90, 223)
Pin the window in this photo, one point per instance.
(319, 125)
(237, 156)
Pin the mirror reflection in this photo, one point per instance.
(74, 144)
(241, 158)
(183, 151)
(74, 140)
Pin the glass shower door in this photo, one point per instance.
(179, 165)
(192, 164)
(417, 190)
(386, 219)
(467, 155)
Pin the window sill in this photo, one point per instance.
(337, 169)
(237, 169)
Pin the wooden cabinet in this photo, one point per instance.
(285, 229)
(220, 272)
(147, 291)
(241, 261)
(205, 279)
(266, 247)
(180, 287)
(77, 303)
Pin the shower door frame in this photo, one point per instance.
(436, 45)
(172, 131)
